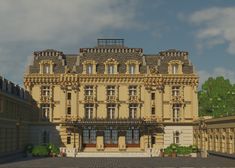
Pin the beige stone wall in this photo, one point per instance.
(216, 134)
(185, 135)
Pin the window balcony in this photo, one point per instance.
(177, 98)
(45, 98)
(133, 98)
(111, 98)
(89, 98)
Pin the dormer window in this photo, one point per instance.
(132, 69)
(111, 66)
(46, 67)
(89, 69)
(110, 69)
(175, 67)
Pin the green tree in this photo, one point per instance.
(217, 97)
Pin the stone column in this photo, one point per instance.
(122, 140)
(100, 141)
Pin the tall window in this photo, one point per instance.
(132, 90)
(46, 91)
(68, 96)
(132, 69)
(111, 111)
(110, 136)
(110, 90)
(89, 136)
(153, 110)
(176, 112)
(89, 111)
(89, 90)
(89, 69)
(69, 110)
(132, 136)
(45, 111)
(68, 139)
(46, 68)
(175, 68)
(110, 68)
(152, 96)
(175, 91)
(133, 111)
(176, 137)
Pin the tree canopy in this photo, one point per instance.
(217, 97)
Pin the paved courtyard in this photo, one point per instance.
(212, 161)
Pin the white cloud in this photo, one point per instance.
(216, 26)
(28, 25)
(44, 20)
(219, 71)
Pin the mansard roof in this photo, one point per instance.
(119, 53)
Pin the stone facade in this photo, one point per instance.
(17, 111)
(217, 134)
(114, 98)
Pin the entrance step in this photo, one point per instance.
(109, 154)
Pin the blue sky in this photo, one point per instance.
(205, 28)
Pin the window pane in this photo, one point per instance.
(175, 68)
(114, 136)
(93, 136)
(107, 138)
(89, 68)
(110, 69)
(131, 68)
(136, 136)
(85, 136)
(152, 96)
(69, 96)
(129, 137)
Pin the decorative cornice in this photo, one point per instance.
(149, 81)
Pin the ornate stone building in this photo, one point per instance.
(114, 98)
(17, 112)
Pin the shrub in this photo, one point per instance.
(182, 150)
(168, 150)
(40, 150)
(53, 149)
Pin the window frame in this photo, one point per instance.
(133, 109)
(89, 109)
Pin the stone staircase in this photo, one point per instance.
(147, 153)
(112, 154)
